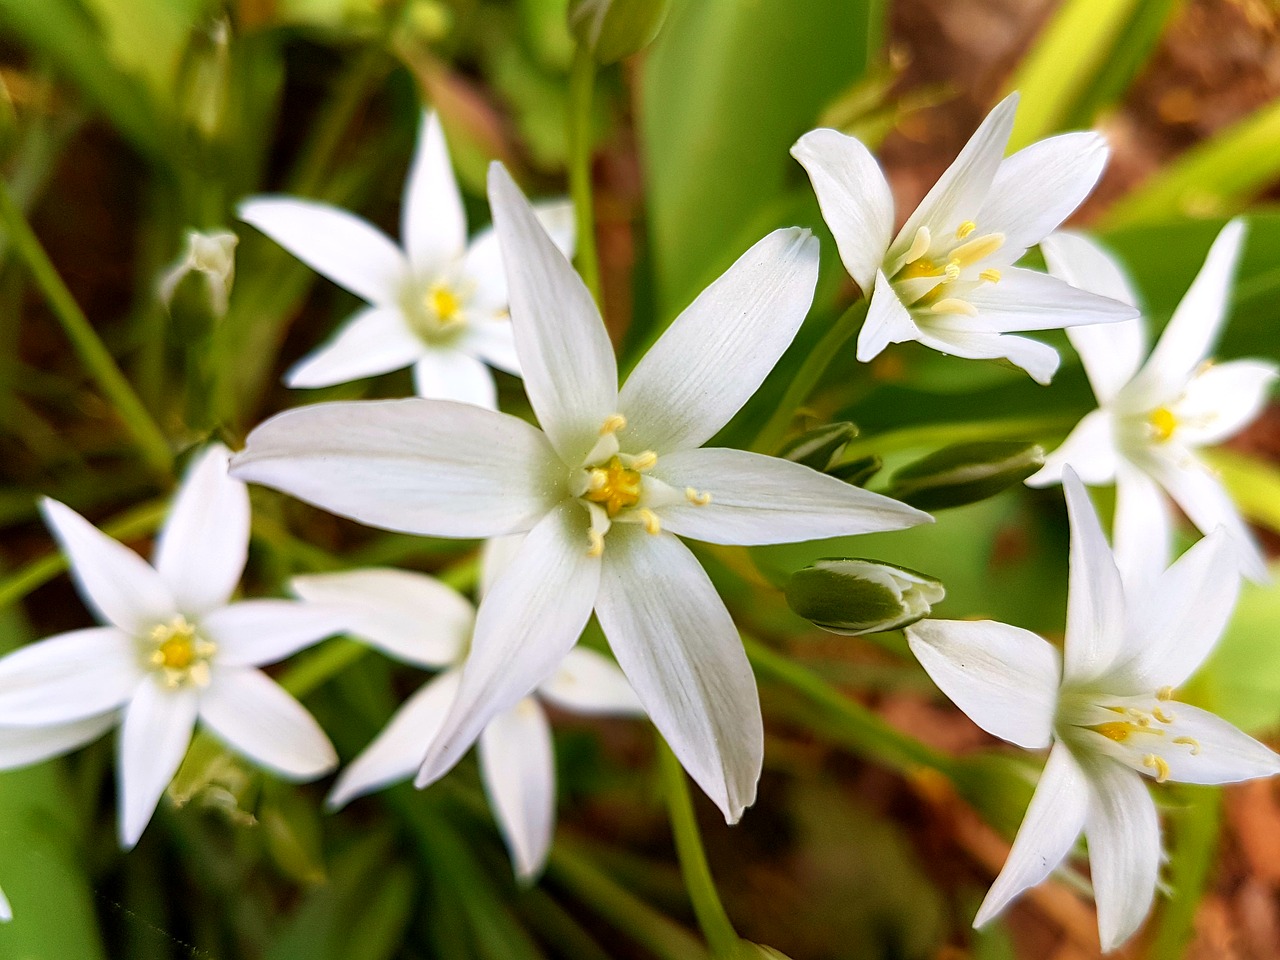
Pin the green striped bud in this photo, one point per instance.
(965, 473)
(821, 447)
(850, 596)
(613, 29)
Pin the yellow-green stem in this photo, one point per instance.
(941, 434)
(581, 83)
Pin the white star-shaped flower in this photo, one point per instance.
(601, 489)
(418, 620)
(174, 649)
(1153, 417)
(948, 278)
(438, 306)
(1106, 704)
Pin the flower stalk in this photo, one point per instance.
(581, 86)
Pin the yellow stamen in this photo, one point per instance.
(965, 229)
(644, 461)
(954, 305)
(596, 539)
(1159, 765)
(696, 498)
(977, 249)
(1164, 693)
(1163, 423)
(612, 424)
(918, 268)
(1191, 742)
(991, 275)
(652, 525)
(444, 303)
(1122, 730)
(952, 271)
(919, 245)
(1160, 714)
(615, 486)
(180, 653)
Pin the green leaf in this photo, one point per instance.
(1242, 677)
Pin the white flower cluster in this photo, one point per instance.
(585, 513)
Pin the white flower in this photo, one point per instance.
(438, 305)
(1153, 417)
(173, 649)
(601, 492)
(418, 620)
(948, 279)
(1107, 706)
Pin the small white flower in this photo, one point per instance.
(948, 279)
(600, 492)
(418, 620)
(1106, 704)
(438, 306)
(1152, 418)
(173, 649)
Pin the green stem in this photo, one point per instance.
(581, 82)
(939, 434)
(94, 354)
(807, 377)
(716, 926)
(320, 665)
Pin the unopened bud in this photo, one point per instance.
(965, 473)
(200, 282)
(613, 29)
(758, 951)
(857, 472)
(850, 596)
(819, 448)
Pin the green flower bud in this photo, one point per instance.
(857, 472)
(965, 473)
(195, 290)
(758, 951)
(613, 29)
(850, 596)
(820, 447)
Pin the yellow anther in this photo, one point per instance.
(644, 461)
(954, 305)
(1117, 731)
(952, 271)
(1191, 742)
(977, 249)
(1159, 765)
(1162, 715)
(596, 539)
(922, 267)
(614, 486)
(991, 275)
(652, 525)
(919, 245)
(1163, 423)
(965, 229)
(1139, 716)
(1164, 693)
(180, 653)
(612, 424)
(597, 479)
(696, 498)
(444, 303)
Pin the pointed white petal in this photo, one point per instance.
(1005, 678)
(678, 646)
(254, 715)
(483, 262)
(496, 555)
(961, 191)
(1142, 531)
(375, 340)
(854, 196)
(569, 371)
(529, 620)
(1193, 330)
(419, 466)
(409, 616)
(1039, 359)
(68, 677)
(1049, 830)
(1124, 849)
(1026, 300)
(154, 736)
(396, 753)
(6, 911)
(1095, 599)
(888, 321)
(334, 243)
(201, 550)
(518, 770)
(22, 746)
(757, 499)
(257, 632)
(716, 354)
(1111, 352)
(453, 375)
(1090, 449)
(433, 223)
(1212, 750)
(1040, 186)
(116, 583)
(1222, 400)
(494, 342)
(588, 682)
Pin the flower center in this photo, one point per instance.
(1162, 423)
(615, 486)
(179, 653)
(1140, 736)
(440, 314)
(937, 276)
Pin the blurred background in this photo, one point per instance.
(883, 812)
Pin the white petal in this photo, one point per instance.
(6, 911)
(961, 191)
(154, 736)
(1090, 449)
(888, 321)
(1142, 531)
(716, 354)
(518, 769)
(757, 499)
(1053, 821)
(22, 746)
(433, 223)
(1040, 186)
(1038, 359)
(375, 340)
(68, 677)
(397, 751)
(202, 548)
(1222, 400)
(116, 583)
(453, 375)
(253, 715)
(332, 242)
(529, 620)
(409, 616)
(494, 342)
(569, 371)
(1004, 678)
(1095, 598)
(1124, 849)
(1218, 753)
(1027, 300)
(854, 196)
(1193, 330)
(678, 646)
(419, 466)
(496, 555)
(1111, 352)
(257, 632)
(587, 682)
(483, 262)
